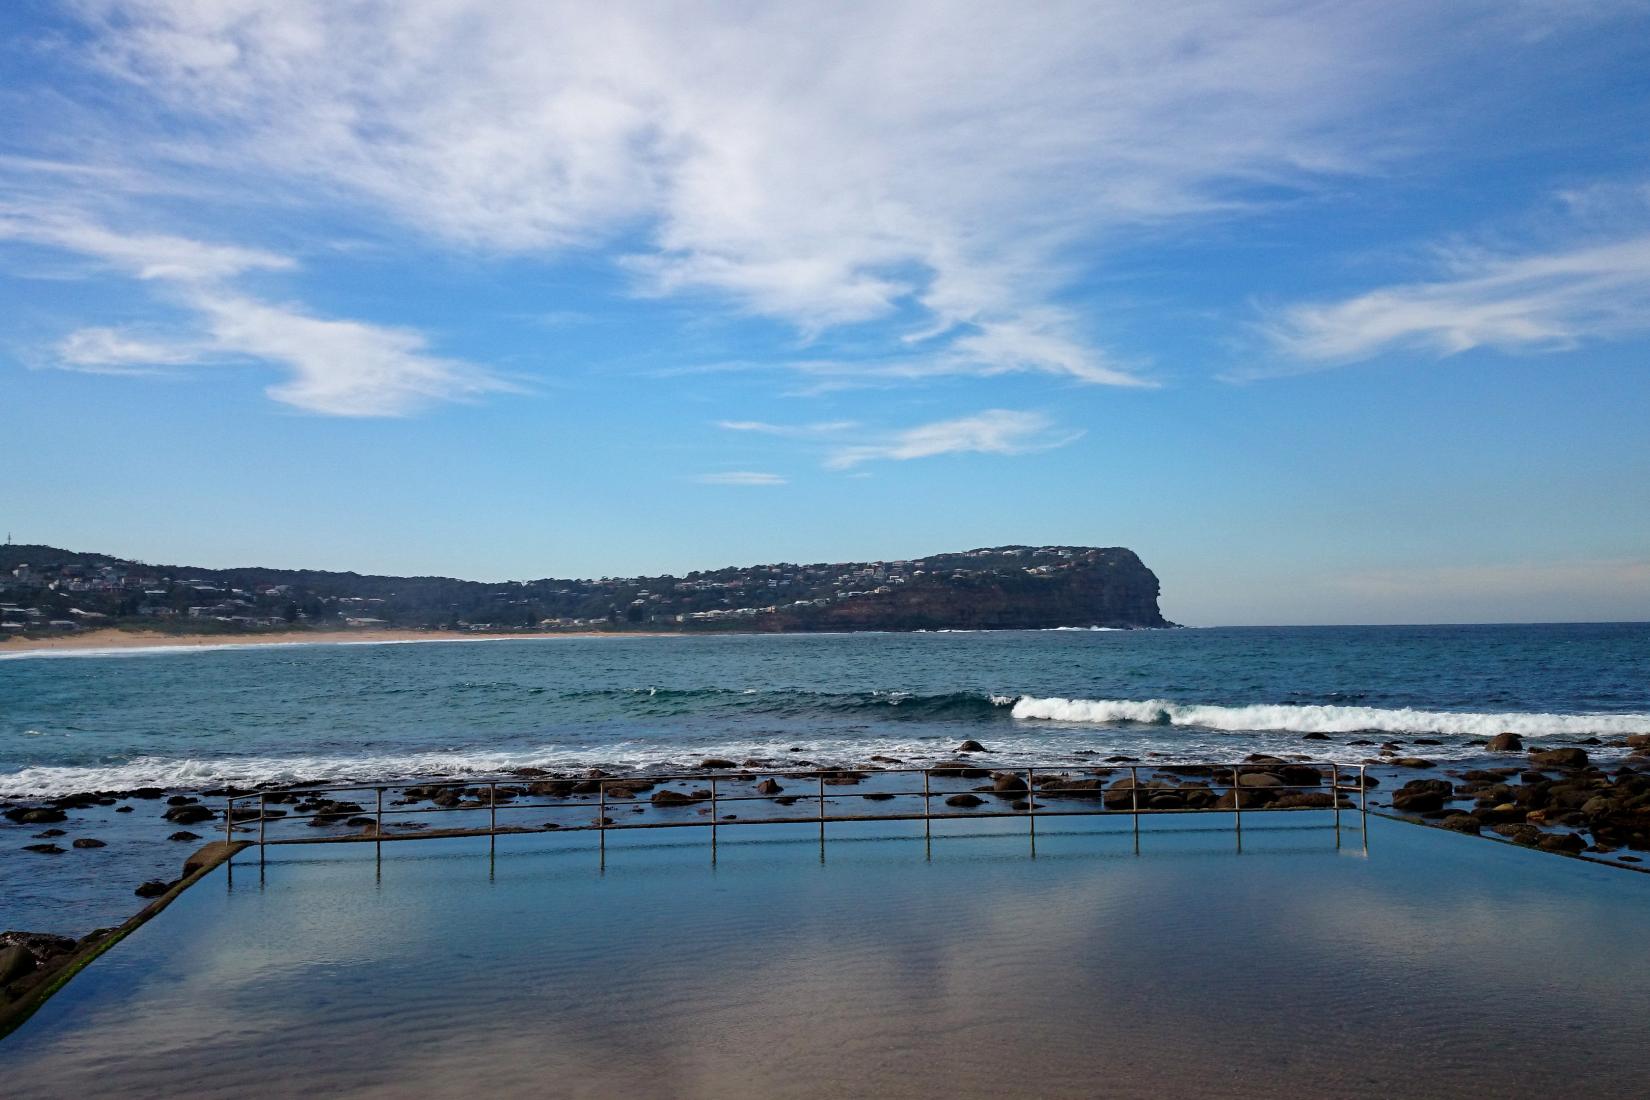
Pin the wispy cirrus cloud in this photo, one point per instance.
(335, 367)
(994, 431)
(742, 477)
(788, 431)
(801, 163)
(1512, 301)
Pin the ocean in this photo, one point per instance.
(72, 722)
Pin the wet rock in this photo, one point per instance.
(1259, 779)
(768, 786)
(1462, 823)
(972, 745)
(189, 815)
(960, 769)
(1638, 740)
(791, 799)
(1304, 800)
(181, 800)
(89, 842)
(877, 796)
(184, 834)
(1562, 842)
(15, 962)
(716, 763)
(40, 815)
(48, 834)
(965, 801)
(1506, 742)
(1413, 762)
(1422, 795)
(1527, 835)
(887, 760)
(123, 809)
(1007, 783)
(47, 849)
(669, 797)
(154, 888)
(1559, 758)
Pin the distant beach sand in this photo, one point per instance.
(150, 639)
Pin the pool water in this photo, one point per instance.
(1375, 960)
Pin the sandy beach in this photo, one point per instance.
(150, 639)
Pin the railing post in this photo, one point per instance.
(1237, 803)
(713, 809)
(1134, 794)
(822, 807)
(229, 821)
(378, 826)
(1335, 796)
(263, 815)
(601, 808)
(492, 808)
(925, 794)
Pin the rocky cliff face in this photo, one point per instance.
(1094, 587)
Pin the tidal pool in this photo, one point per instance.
(1392, 961)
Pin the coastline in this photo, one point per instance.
(112, 638)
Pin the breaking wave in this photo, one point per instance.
(1286, 718)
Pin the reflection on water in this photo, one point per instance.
(1426, 965)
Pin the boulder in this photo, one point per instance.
(972, 745)
(960, 769)
(1007, 783)
(43, 815)
(768, 786)
(965, 801)
(47, 849)
(716, 763)
(1304, 800)
(189, 815)
(1462, 823)
(1559, 758)
(1413, 762)
(154, 888)
(877, 796)
(1562, 842)
(1315, 736)
(1422, 795)
(1259, 779)
(1527, 835)
(184, 834)
(1506, 742)
(669, 797)
(89, 842)
(15, 961)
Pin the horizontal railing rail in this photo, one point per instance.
(1031, 792)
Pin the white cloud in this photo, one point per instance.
(1533, 302)
(944, 167)
(788, 431)
(143, 255)
(336, 367)
(995, 431)
(741, 477)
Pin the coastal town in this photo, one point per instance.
(46, 590)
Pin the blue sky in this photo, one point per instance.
(1333, 312)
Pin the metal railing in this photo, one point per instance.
(1046, 793)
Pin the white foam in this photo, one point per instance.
(1275, 717)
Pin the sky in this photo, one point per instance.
(1331, 311)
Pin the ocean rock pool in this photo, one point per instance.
(1379, 961)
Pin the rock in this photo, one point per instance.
(189, 815)
(1422, 795)
(89, 842)
(1559, 758)
(1302, 800)
(123, 809)
(672, 798)
(1562, 842)
(1506, 742)
(15, 961)
(48, 834)
(154, 888)
(972, 745)
(43, 815)
(1007, 783)
(181, 800)
(960, 769)
(1462, 823)
(1527, 835)
(184, 834)
(965, 800)
(877, 796)
(716, 763)
(1315, 736)
(1638, 740)
(1259, 779)
(1413, 762)
(768, 786)
(47, 849)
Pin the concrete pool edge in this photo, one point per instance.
(202, 863)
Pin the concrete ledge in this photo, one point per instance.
(195, 868)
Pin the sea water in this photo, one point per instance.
(192, 718)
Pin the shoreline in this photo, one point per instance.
(113, 638)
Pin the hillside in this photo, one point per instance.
(45, 589)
